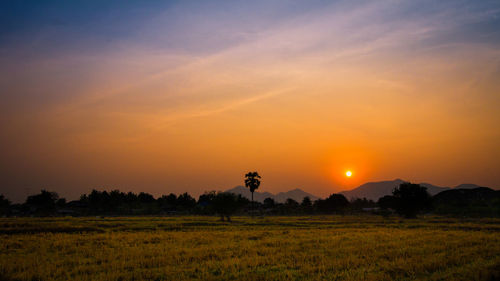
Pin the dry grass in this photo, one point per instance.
(273, 248)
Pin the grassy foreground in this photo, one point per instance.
(270, 248)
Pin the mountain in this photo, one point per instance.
(463, 195)
(467, 186)
(434, 189)
(296, 194)
(480, 201)
(372, 190)
(375, 190)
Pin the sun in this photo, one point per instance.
(348, 174)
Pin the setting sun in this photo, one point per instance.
(348, 174)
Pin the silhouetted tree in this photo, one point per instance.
(116, 202)
(43, 203)
(387, 202)
(168, 202)
(4, 205)
(334, 203)
(61, 202)
(98, 202)
(206, 198)
(269, 203)
(359, 204)
(130, 199)
(205, 204)
(186, 202)
(145, 198)
(252, 182)
(410, 199)
(306, 204)
(225, 204)
(117, 198)
(291, 205)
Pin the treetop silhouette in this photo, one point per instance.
(252, 182)
(410, 199)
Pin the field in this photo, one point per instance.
(269, 248)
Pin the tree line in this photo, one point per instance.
(407, 200)
(224, 204)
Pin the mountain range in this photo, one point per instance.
(369, 190)
(375, 190)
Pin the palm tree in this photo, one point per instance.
(252, 182)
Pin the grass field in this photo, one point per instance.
(269, 248)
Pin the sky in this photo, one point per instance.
(176, 96)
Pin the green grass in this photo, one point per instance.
(270, 248)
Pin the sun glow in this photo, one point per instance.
(348, 174)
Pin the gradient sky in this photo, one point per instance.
(174, 96)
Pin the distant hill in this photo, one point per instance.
(467, 186)
(480, 201)
(434, 189)
(467, 194)
(375, 190)
(296, 194)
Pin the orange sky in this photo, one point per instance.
(300, 100)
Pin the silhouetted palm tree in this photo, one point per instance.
(252, 182)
